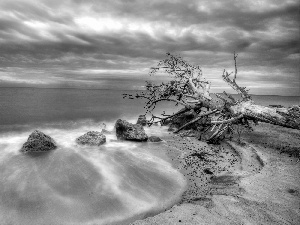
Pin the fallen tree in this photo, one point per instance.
(212, 115)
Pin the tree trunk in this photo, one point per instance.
(278, 116)
(216, 113)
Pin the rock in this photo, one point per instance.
(154, 139)
(142, 120)
(276, 106)
(129, 131)
(92, 138)
(38, 142)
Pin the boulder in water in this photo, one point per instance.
(142, 120)
(154, 139)
(38, 142)
(92, 138)
(129, 131)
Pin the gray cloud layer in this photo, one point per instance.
(72, 43)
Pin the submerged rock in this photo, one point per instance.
(91, 138)
(38, 142)
(129, 131)
(142, 120)
(154, 139)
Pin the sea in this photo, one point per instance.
(35, 107)
(116, 183)
(27, 108)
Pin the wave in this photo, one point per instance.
(116, 182)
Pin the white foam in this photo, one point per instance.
(108, 162)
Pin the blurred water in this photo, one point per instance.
(110, 184)
(33, 105)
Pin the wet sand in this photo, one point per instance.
(256, 182)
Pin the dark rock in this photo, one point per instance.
(154, 139)
(38, 142)
(276, 106)
(92, 138)
(142, 120)
(129, 131)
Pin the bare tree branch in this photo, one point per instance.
(171, 100)
(235, 67)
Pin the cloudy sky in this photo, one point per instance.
(112, 44)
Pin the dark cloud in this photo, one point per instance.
(124, 36)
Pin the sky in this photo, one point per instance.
(112, 44)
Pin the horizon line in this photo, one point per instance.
(107, 89)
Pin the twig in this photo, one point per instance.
(171, 100)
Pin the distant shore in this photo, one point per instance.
(256, 182)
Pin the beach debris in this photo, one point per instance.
(142, 120)
(129, 131)
(207, 171)
(38, 142)
(91, 138)
(201, 155)
(212, 115)
(154, 139)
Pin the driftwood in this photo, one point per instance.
(189, 89)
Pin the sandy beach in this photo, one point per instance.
(255, 182)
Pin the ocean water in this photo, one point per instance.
(26, 107)
(286, 101)
(112, 184)
(115, 183)
(266, 100)
(34, 106)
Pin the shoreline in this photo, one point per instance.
(254, 183)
